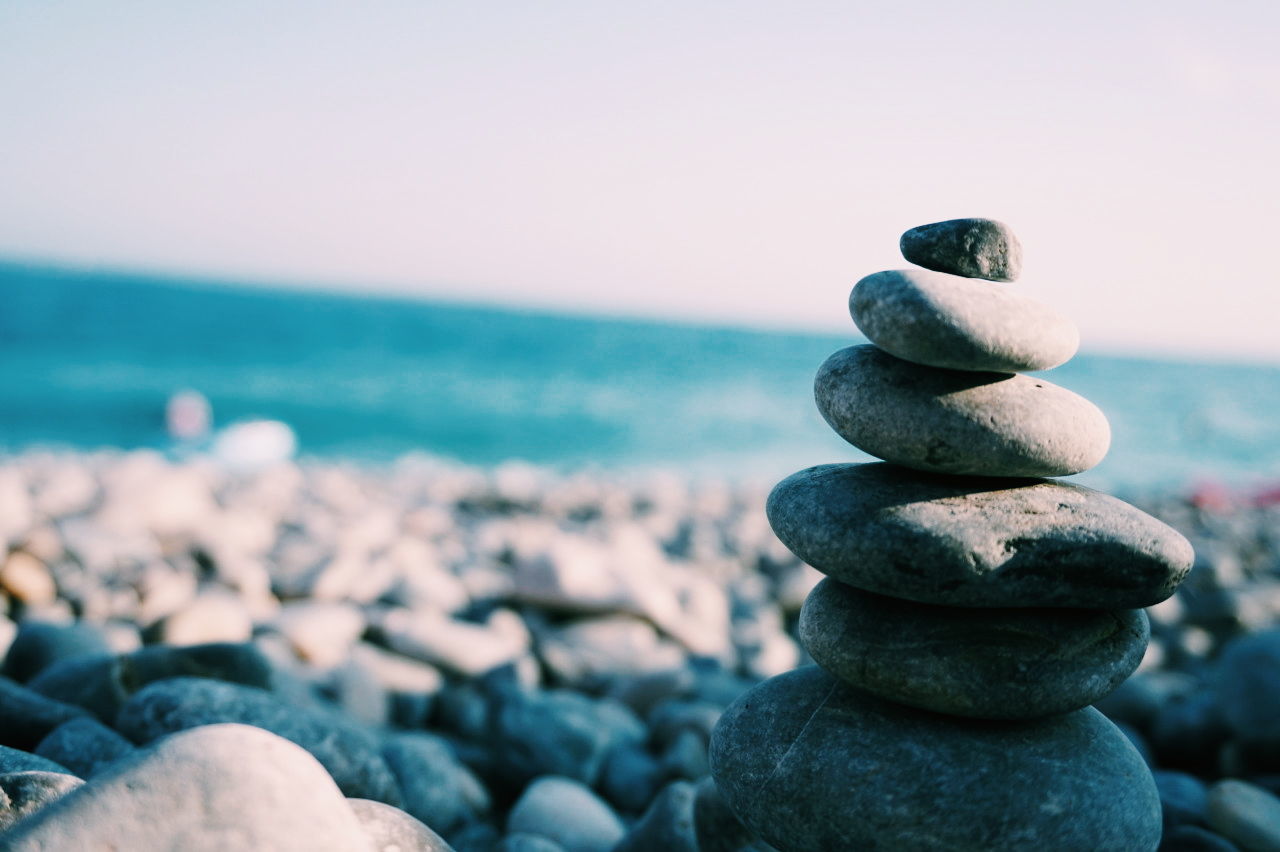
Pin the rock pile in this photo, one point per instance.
(973, 609)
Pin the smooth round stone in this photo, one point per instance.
(811, 763)
(981, 663)
(980, 542)
(567, 812)
(392, 830)
(947, 321)
(974, 248)
(1245, 814)
(955, 421)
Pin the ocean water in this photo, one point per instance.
(88, 360)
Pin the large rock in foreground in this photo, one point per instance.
(956, 421)
(976, 541)
(811, 763)
(980, 663)
(959, 323)
(217, 787)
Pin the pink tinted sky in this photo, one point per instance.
(717, 161)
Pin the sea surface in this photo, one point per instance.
(88, 361)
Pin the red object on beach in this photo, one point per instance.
(1211, 497)
(1269, 496)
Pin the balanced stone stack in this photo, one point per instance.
(973, 608)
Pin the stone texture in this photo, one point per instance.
(980, 663)
(717, 827)
(211, 789)
(811, 763)
(956, 421)
(27, 717)
(567, 812)
(38, 644)
(947, 321)
(103, 683)
(348, 752)
(83, 745)
(1245, 814)
(975, 541)
(392, 830)
(15, 760)
(25, 793)
(1248, 692)
(667, 825)
(435, 787)
(974, 248)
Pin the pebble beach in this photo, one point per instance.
(499, 658)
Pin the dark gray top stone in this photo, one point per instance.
(809, 762)
(947, 321)
(974, 248)
(981, 663)
(970, 541)
(957, 421)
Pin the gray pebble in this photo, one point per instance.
(1189, 732)
(15, 760)
(630, 777)
(102, 684)
(980, 663)
(667, 825)
(1248, 692)
(976, 542)
(210, 789)
(349, 753)
(436, 788)
(946, 321)
(975, 248)
(39, 644)
(567, 812)
(26, 716)
(1184, 798)
(84, 746)
(955, 421)
(392, 830)
(1192, 838)
(527, 843)
(1245, 814)
(811, 763)
(28, 792)
(558, 732)
(717, 827)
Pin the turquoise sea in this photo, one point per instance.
(88, 360)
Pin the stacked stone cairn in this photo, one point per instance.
(973, 608)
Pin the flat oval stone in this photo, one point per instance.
(953, 421)
(947, 321)
(975, 541)
(974, 248)
(979, 663)
(809, 762)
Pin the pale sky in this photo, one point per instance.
(713, 161)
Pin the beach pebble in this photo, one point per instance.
(16, 760)
(558, 732)
(465, 647)
(349, 753)
(26, 716)
(321, 633)
(27, 792)
(1189, 732)
(27, 579)
(392, 830)
(954, 421)
(101, 684)
(667, 825)
(810, 763)
(1245, 814)
(1192, 838)
(947, 321)
(210, 789)
(568, 813)
(980, 663)
(716, 827)
(38, 644)
(434, 786)
(976, 542)
(1248, 692)
(213, 615)
(974, 248)
(630, 777)
(527, 843)
(1184, 798)
(83, 745)
(593, 648)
